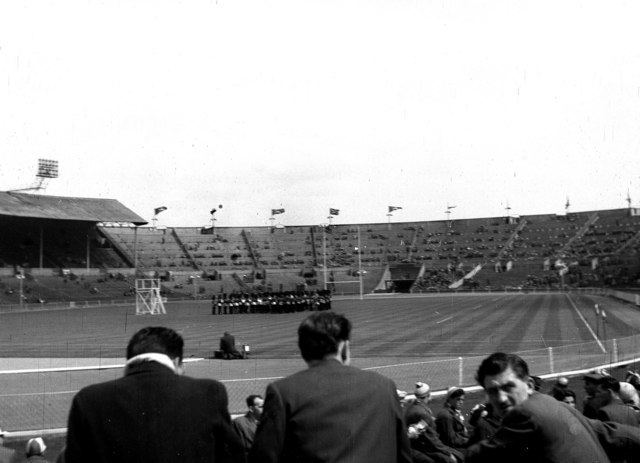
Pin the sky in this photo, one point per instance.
(307, 105)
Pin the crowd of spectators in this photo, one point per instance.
(333, 412)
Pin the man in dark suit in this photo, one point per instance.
(450, 422)
(228, 347)
(537, 428)
(153, 413)
(330, 412)
(611, 406)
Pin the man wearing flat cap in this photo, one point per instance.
(428, 442)
(450, 422)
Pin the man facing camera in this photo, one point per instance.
(537, 428)
(330, 412)
(153, 413)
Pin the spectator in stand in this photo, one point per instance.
(633, 378)
(569, 397)
(420, 412)
(559, 388)
(6, 454)
(484, 421)
(450, 422)
(590, 406)
(35, 450)
(611, 407)
(536, 428)
(330, 412)
(629, 394)
(423, 449)
(153, 414)
(247, 424)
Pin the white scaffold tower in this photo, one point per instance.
(148, 298)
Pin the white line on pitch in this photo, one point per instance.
(604, 351)
(441, 321)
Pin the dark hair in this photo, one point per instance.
(320, 333)
(609, 383)
(498, 362)
(252, 398)
(156, 339)
(568, 393)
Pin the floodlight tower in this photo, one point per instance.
(47, 169)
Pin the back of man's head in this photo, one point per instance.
(320, 333)
(499, 362)
(158, 339)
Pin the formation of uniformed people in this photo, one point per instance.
(270, 302)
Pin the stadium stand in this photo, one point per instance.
(86, 248)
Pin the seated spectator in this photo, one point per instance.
(633, 378)
(419, 412)
(590, 406)
(629, 394)
(35, 450)
(450, 422)
(559, 388)
(536, 428)
(569, 397)
(484, 422)
(423, 448)
(330, 412)
(153, 413)
(611, 406)
(247, 424)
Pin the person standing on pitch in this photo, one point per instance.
(330, 412)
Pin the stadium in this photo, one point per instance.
(427, 299)
(453, 180)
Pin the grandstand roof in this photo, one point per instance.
(64, 208)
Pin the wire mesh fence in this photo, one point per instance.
(37, 392)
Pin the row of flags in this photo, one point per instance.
(332, 211)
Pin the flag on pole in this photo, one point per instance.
(453, 207)
(394, 208)
(277, 211)
(333, 211)
(158, 210)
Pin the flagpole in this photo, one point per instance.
(324, 255)
(360, 263)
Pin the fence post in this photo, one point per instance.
(550, 350)
(615, 350)
(460, 371)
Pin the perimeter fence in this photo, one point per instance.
(38, 394)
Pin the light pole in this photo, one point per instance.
(360, 264)
(20, 278)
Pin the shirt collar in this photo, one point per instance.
(151, 357)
